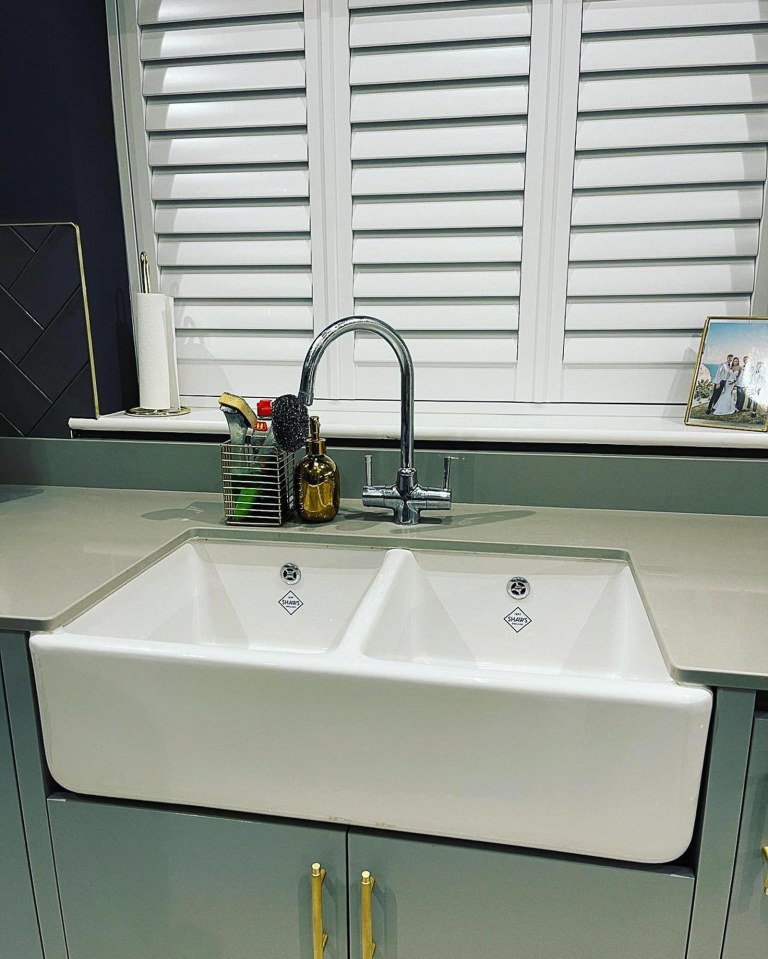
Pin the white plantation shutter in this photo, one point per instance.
(439, 100)
(226, 137)
(546, 199)
(667, 191)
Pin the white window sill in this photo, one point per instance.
(479, 423)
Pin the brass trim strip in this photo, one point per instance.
(319, 937)
(368, 946)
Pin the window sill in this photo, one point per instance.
(476, 423)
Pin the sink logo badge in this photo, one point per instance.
(517, 619)
(290, 602)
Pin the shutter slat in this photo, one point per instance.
(451, 283)
(440, 25)
(445, 178)
(645, 350)
(620, 15)
(222, 40)
(438, 103)
(651, 314)
(450, 315)
(458, 140)
(287, 284)
(745, 203)
(671, 130)
(657, 53)
(180, 11)
(670, 243)
(162, 116)
(364, 4)
(668, 169)
(233, 315)
(230, 185)
(227, 77)
(437, 249)
(626, 384)
(230, 218)
(433, 214)
(244, 347)
(449, 63)
(240, 150)
(687, 90)
(266, 252)
(475, 351)
(661, 279)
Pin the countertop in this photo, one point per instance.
(703, 577)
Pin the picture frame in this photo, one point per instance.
(729, 388)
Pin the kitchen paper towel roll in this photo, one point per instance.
(156, 351)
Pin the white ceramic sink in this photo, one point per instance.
(395, 689)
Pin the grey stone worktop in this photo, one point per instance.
(703, 576)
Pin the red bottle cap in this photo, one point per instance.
(264, 408)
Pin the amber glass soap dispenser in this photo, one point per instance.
(317, 480)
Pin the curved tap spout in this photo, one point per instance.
(368, 324)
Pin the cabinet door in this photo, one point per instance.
(438, 900)
(19, 936)
(746, 934)
(141, 882)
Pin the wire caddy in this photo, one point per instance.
(257, 483)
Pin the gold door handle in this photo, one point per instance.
(319, 938)
(367, 882)
(765, 875)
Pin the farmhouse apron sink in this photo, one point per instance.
(500, 697)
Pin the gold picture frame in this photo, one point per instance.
(729, 387)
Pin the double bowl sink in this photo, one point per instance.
(511, 698)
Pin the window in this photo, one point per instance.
(546, 199)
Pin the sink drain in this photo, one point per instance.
(518, 587)
(290, 573)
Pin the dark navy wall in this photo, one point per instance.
(58, 160)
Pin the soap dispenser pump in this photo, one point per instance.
(317, 480)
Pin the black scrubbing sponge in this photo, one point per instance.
(290, 422)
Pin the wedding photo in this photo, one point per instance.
(730, 385)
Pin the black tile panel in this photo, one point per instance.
(18, 330)
(51, 277)
(21, 402)
(76, 400)
(61, 351)
(14, 255)
(6, 429)
(34, 233)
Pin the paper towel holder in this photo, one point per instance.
(146, 287)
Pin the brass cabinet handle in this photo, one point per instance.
(319, 938)
(765, 877)
(367, 882)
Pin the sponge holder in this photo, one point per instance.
(257, 485)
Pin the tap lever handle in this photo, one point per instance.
(368, 469)
(447, 460)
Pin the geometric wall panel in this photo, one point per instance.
(45, 353)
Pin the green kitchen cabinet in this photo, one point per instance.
(746, 934)
(450, 900)
(143, 882)
(19, 934)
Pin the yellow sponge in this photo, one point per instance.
(238, 403)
